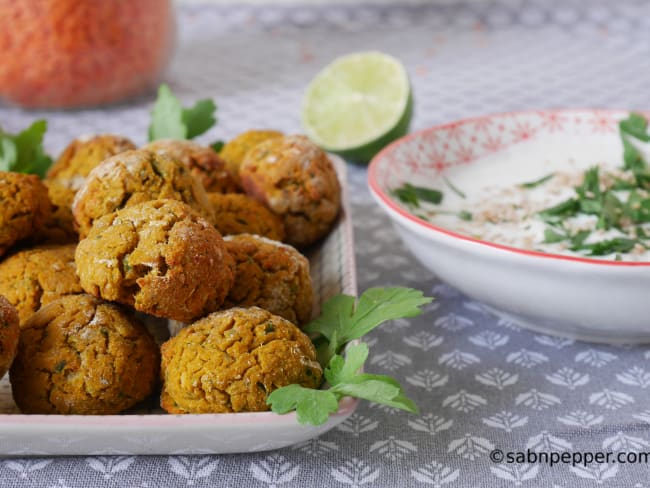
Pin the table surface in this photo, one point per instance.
(481, 383)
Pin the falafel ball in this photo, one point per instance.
(240, 214)
(82, 155)
(159, 257)
(24, 207)
(203, 162)
(9, 334)
(233, 151)
(134, 177)
(231, 361)
(35, 277)
(296, 180)
(270, 275)
(81, 355)
(59, 227)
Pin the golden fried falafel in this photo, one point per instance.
(35, 277)
(270, 275)
(159, 257)
(233, 151)
(81, 355)
(134, 177)
(203, 162)
(59, 227)
(9, 334)
(296, 180)
(240, 214)
(231, 361)
(82, 155)
(24, 207)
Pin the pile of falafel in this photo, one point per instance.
(173, 230)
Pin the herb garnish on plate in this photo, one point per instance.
(344, 319)
(23, 152)
(170, 120)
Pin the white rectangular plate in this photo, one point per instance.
(150, 431)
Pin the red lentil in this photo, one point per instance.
(73, 53)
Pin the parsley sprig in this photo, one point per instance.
(23, 152)
(345, 319)
(170, 120)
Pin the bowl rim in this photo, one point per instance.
(392, 206)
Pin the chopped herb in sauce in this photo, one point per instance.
(454, 188)
(551, 236)
(560, 211)
(607, 214)
(622, 204)
(609, 246)
(535, 183)
(413, 195)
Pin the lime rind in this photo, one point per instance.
(363, 154)
(358, 104)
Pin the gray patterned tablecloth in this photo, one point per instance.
(481, 383)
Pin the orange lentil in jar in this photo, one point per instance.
(74, 53)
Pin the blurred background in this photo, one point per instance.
(463, 58)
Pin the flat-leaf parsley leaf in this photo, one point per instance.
(412, 195)
(23, 152)
(315, 406)
(169, 120)
(341, 322)
(311, 406)
(344, 319)
(536, 183)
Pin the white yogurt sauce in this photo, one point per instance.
(507, 213)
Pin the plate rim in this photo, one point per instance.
(17, 423)
(146, 421)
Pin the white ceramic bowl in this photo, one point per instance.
(581, 298)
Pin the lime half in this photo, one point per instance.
(357, 105)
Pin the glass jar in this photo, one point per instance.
(80, 53)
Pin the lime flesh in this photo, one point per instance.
(357, 105)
